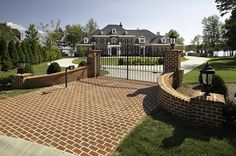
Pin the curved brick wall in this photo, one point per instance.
(28, 81)
(201, 110)
(171, 100)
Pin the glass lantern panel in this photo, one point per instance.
(204, 78)
(210, 76)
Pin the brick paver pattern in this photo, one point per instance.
(90, 117)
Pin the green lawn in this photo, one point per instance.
(224, 67)
(7, 91)
(164, 134)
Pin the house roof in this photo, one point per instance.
(120, 31)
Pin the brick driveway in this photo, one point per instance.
(90, 117)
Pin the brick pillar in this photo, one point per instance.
(93, 61)
(172, 61)
(17, 81)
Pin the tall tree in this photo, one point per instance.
(5, 58)
(32, 35)
(13, 53)
(6, 33)
(225, 6)
(229, 36)
(179, 40)
(25, 51)
(20, 52)
(211, 32)
(53, 33)
(73, 34)
(197, 42)
(90, 27)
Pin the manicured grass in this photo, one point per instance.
(6, 92)
(164, 134)
(79, 59)
(103, 72)
(38, 69)
(225, 68)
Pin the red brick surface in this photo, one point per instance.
(90, 117)
(202, 110)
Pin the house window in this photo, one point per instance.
(163, 40)
(86, 40)
(141, 39)
(113, 31)
(114, 40)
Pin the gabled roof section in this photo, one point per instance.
(108, 30)
(138, 33)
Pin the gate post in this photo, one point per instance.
(172, 63)
(93, 62)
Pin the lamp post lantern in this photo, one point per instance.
(21, 66)
(94, 44)
(172, 40)
(207, 75)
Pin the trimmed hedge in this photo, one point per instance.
(53, 68)
(82, 63)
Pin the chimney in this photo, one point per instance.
(158, 33)
(120, 25)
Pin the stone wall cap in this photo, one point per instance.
(213, 97)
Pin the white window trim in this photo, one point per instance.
(113, 31)
(142, 38)
(163, 40)
(86, 40)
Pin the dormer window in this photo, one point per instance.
(86, 40)
(126, 32)
(142, 39)
(101, 32)
(163, 40)
(113, 31)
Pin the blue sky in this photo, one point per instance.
(156, 15)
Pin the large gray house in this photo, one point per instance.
(116, 40)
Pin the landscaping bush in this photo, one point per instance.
(218, 85)
(5, 80)
(229, 111)
(160, 61)
(121, 61)
(82, 63)
(28, 69)
(53, 68)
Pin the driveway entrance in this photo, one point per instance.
(91, 116)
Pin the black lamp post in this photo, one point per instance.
(207, 75)
(172, 40)
(94, 44)
(68, 68)
(21, 66)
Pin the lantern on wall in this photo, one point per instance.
(207, 75)
(172, 40)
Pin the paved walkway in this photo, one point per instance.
(192, 63)
(65, 62)
(150, 72)
(18, 147)
(90, 117)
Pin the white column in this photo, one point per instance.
(118, 51)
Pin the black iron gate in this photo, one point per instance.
(132, 63)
